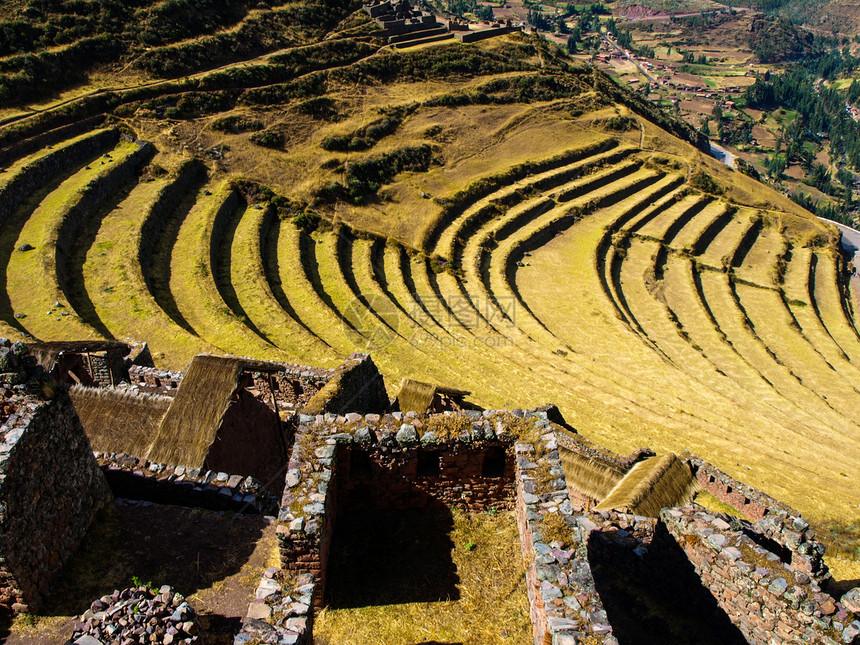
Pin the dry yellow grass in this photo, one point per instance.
(492, 607)
(638, 345)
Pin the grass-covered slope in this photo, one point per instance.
(491, 217)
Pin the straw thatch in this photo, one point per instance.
(119, 420)
(415, 396)
(46, 353)
(651, 485)
(589, 475)
(191, 423)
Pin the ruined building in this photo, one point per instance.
(306, 445)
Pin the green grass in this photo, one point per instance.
(37, 296)
(256, 298)
(116, 286)
(193, 285)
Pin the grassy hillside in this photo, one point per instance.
(493, 217)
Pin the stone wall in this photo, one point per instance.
(564, 604)
(282, 611)
(58, 135)
(133, 478)
(50, 486)
(107, 368)
(392, 461)
(355, 386)
(775, 520)
(189, 175)
(153, 380)
(768, 599)
(90, 199)
(292, 388)
(483, 34)
(308, 508)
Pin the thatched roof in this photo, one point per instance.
(588, 474)
(191, 424)
(651, 485)
(46, 353)
(119, 420)
(415, 396)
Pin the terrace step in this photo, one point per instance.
(193, 276)
(34, 281)
(114, 280)
(256, 299)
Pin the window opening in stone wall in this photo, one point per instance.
(429, 464)
(494, 462)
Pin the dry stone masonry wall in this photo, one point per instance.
(282, 610)
(769, 600)
(355, 386)
(41, 170)
(397, 460)
(134, 478)
(564, 604)
(775, 520)
(153, 380)
(50, 484)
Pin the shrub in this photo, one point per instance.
(268, 139)
(365, 178)
(306, 221)
(704, 182)
(321, 107)
(236, 124)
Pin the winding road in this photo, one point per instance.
(851, 244)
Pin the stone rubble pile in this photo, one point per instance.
(282, 610)
(143, 615)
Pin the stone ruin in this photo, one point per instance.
(50, 483)
(401, 22)
(593, 525)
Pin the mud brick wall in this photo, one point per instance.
(564, 605)
(133, 478)
(770, 601)
(776, 520)
(50, 490)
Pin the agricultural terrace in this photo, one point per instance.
(493, 217)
